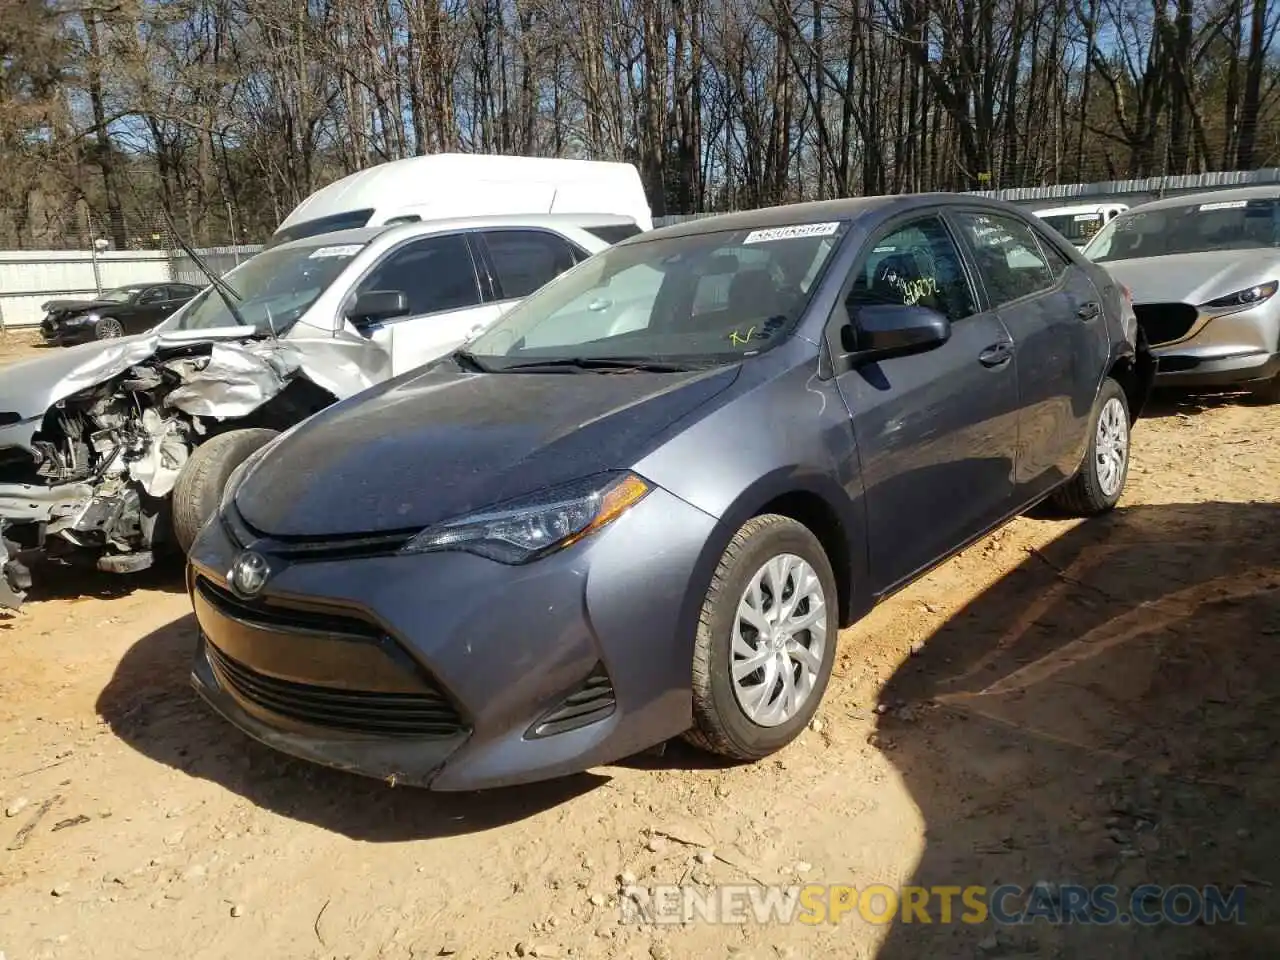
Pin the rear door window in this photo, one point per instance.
(1009, 258)
(524, 260)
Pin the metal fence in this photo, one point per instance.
(29, 278)
(1131, 192)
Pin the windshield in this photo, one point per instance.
(347, 220)
(707, 297)
(1191, 228)
(278, 286)
(1079, 228)
(121, 294)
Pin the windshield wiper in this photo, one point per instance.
(621, 364)
(224, 289)
(468, 361)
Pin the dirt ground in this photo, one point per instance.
(1064, 702)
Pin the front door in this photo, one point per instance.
(935, 430)
(149, 309)
(438, 276)
(1054, 314)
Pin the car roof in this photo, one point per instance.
(363, 235)
(820, 211)
(1076, 209)
(1265, 192)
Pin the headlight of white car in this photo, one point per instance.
(531, 527)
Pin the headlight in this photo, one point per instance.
(523, 530)
(1243, 298)
(82, 319)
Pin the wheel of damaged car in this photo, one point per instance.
(1099, 482)
(765, 641)
(108, 328)
(199, 486)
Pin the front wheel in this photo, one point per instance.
(108, 328)
(766, 640)
(1097, 485)
(204, 476)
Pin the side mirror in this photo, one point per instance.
(374, 306)
(882, 330)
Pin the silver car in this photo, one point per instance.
(1203, 272)
(116, 450)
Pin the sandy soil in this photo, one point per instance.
(1064, 702)
(19, 345)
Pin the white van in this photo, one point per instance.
(1078, 223)
(450, 185)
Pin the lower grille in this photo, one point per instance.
(593, 700)
(1165, 322)
(420, 716)
(1174, 364)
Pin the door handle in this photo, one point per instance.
(996, 355)
(1090, 311)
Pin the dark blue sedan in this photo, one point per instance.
(642, 504)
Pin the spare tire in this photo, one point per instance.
(204, 476)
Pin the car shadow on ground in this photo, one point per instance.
(1107, 713)
(55, 581)
(151, 706)
(1168, 402)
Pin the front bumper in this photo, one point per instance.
(63, 335)
(315, 665)
(1182, 367)
(1224, 350)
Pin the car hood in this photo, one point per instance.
(243, 372)
(78, 306)
(440, 444)
(1195, 277)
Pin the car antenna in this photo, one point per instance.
(224, 289)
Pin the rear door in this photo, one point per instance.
(439, 277)
(935, 430)
(1054, 314)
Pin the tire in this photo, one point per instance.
(204, 476)
(722, 724)
(108, 328)
(1094, 489)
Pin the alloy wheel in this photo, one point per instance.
(109, 328)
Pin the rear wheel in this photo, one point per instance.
(108, 328)
(1099, 482)
(766, 640)
(204, 476)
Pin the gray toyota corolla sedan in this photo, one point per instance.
(644, 502)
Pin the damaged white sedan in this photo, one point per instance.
(113, 452)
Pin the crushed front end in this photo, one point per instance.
(88, 481)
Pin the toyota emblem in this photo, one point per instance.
(249, 573)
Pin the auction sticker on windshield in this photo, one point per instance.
(346, 250)
(791, 233)
(1224, 205)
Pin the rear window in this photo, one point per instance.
(348, 220)
(615, 233)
